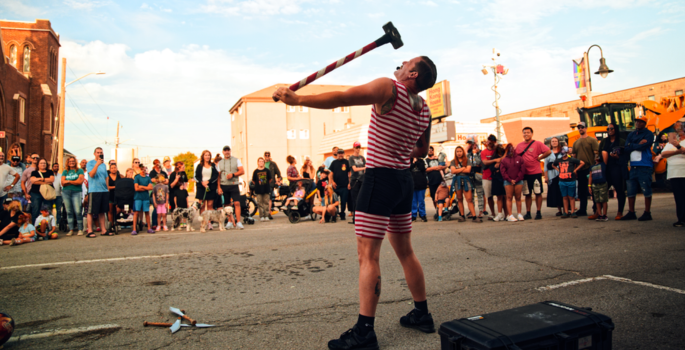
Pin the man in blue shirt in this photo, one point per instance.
(639, 149)
(327, 162)
(98, 194)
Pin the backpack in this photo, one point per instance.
(47, 191)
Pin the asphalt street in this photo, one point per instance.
(278, 285)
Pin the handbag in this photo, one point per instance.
(47, 191)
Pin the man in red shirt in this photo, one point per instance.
(486, 156)
(532, 152)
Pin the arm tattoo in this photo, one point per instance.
(387, 107)
(378, 287)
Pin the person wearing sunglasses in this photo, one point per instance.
(26, 176)
(585, 149)
(616, 165)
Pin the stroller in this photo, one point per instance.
(124, 192)
(304, 207)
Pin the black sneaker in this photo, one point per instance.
(527, 216)
(646, 216)
(485, 213)
(630, 216)
(581, 213)
(417, 320)
(353, 340)
(424, 219)
(342, 216)
(413, 218)
(538, 216)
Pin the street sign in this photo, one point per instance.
(2, 134)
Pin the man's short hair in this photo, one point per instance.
(431, 147)
(97, 148)
(427, 73)
(528, 128)
(335, 148)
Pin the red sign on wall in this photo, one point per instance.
(2, 134)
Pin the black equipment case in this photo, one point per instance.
(549, 325)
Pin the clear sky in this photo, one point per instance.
(174, 68)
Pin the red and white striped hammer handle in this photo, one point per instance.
(391, 36)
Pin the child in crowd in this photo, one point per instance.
(600, 189)
(567, 167)
(181, 201)
(45, 225)
(441, 195)
(297, 196)
(160, 200)
(27, 232)
(141, 200)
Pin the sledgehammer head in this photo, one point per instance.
(393, 35)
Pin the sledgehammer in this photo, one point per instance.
(391, 36)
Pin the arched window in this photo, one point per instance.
(27, 58)
(13, 55)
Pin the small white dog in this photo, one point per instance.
(218, 216)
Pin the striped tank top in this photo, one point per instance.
(392, 136)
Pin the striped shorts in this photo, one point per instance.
(384, 203)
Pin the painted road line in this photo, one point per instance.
(610, 278)
(61, 332)
(90, 261)
(568, 284)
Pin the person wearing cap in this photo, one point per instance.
(275, 177)
(7, 172)
(16, 192)
(230, 168)
(45, 224)
(616, 165)
(675, 153)
(639, 150)
(585, 149)
(327, 162)
(358, 164)
(340, 180)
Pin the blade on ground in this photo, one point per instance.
(204, 325)
(176, 311)
(176, 326)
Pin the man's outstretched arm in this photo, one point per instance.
(376, 92)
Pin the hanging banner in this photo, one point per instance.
(579, 76)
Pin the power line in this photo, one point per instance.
(79, 114)
(91, 97)
(84, 134)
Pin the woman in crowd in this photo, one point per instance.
(511, 168)
(177, 182)
(112, 180)
(206, 176)
(329, 204)
(10, 222)
(261, 179)
(72, 180)
(498, 190)
(307, 169)
(675, 153)
(291, 173)
(461, 168)
(554, 199)
(321, 184)
(42, 176)
(136, 166)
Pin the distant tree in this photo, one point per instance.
(188, 158)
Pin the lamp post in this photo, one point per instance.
(60, 138)
(497, 71)
(603, 70)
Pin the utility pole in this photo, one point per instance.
(497, 110)
(497, 71)
(60, 137)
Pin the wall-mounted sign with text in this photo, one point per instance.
(439, 99)
(443, 132)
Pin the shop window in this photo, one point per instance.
(679, 92)
(27, 58)
(304, 134)
(22, 110)
(341, 110)
(303, 109)
(291, 134)
(651, 97)
(290, 108)
(13, 55)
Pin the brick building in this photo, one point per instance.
(28, 85)
(558, 118)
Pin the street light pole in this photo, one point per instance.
(497, 70)
(603, 70)
(63, 99)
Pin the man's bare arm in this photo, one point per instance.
(376, 92)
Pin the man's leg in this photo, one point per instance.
(481, 197)
(422, 203)
(582, 190)
(368, 251)
(58, 209)
(413, 272)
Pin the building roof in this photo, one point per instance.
(264, 95)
